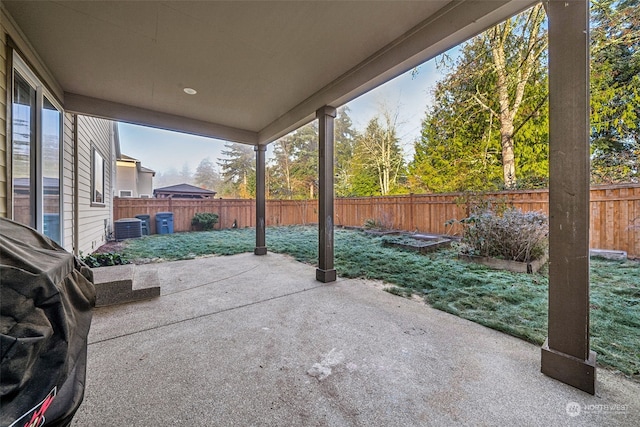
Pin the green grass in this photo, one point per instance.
(513, 303)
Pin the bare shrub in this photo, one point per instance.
(510, 234)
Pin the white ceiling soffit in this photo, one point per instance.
(260, 69)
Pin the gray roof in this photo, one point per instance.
(126, 158)
(184, 188)
(143, 169)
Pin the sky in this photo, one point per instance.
(407, 94)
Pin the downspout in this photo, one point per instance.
(76, 189)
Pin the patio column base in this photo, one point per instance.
(260, 250)
(580, 374)
(326, 276)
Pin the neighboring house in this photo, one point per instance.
(133, 179)
(56, 168)
(183, 191)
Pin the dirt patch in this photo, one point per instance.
(110, 247)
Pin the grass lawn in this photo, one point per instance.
(514, 303)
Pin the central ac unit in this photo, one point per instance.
(127, 228)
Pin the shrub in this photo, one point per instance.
(383, 223)
(372, 224)
(511, 234)
(204, 220)
(104, 259)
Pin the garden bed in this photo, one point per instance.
(420, 243)
(502, 264)
(382, 232)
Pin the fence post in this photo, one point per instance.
(412, 225)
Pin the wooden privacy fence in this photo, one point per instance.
(242, 211)
(614, 212)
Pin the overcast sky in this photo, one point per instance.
(409, 95)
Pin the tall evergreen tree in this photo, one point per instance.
(294, 168)
(206, 175)
(238, 169)
(185, 174)
(304, 168)
(615, 91)
(280, 180)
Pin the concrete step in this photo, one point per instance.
(121, 284)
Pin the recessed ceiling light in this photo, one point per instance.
(190, 91)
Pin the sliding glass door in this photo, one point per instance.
(36, 154)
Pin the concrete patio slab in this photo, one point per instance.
(255, 341)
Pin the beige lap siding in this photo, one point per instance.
(97, 133)
(3, 123)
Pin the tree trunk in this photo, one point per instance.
(509, 107)
(508, 155)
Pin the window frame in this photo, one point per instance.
(37, 206)
(96, 152)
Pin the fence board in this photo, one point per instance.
(614, 212)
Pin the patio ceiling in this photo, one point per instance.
(260, 69)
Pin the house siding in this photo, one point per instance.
(68, 182)
(126, 178)
(145, 183)
(94, 222)
(3, 123)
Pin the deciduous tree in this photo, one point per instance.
(487, 122)
(378, 161)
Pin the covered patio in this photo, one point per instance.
(250, 72)
(263, 343)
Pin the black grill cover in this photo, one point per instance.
(46, 298)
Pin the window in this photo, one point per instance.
(24, 141)
(97, 178)
(126, 193)
(36, 153)
(51, 148)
